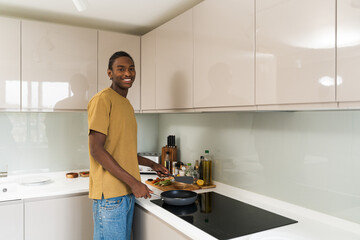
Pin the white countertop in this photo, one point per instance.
(311, 225)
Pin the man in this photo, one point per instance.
(114, 171)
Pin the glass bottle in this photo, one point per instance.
(207, 168)
(167, 162)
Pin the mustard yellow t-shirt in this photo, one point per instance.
(112, 114)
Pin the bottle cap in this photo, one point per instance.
(206, 151)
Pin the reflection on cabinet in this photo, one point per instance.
(174, 63)
(147, 226)
(109, 43)
(295, 51)
(148, 71)
(12, 220)
(58, 66)
(224, 53)
(59, 218)
(9, 63)
(348, 51)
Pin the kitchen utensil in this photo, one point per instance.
(178, 197)
(183, 179)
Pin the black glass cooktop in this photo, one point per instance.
(224, 217)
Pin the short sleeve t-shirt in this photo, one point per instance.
(112, 114)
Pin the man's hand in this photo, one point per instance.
(161, 171)
(140, 190)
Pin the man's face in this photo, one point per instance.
(122, 73)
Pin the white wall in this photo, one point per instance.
(310, 159)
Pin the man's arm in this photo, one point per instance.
(160, 169)
(103, 157)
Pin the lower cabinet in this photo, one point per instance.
(148, 226)
(11, 220)
(67, 217)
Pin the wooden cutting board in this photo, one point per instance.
(179, 186)
(175, 186)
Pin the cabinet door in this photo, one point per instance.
(174, 63)
(58, 66)
(9, 64)
(224, 53)
(59, 218)
(295, 51)
(348, 51)
(148, 71)
(12, 220)
(109, 43)
(147, 226)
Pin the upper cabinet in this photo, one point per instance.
(174, 63)
(224, 53)
(348, 50)
(295, 51)
(148, 71)
(58, 66)
(9, 64)
(109, 43)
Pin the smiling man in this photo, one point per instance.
(114, 172)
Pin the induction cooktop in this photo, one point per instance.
(224, 217)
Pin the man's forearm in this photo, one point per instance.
(145, 161)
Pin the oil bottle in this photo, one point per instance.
(207, 168)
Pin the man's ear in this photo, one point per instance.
(109, 73)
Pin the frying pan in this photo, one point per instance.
(179, 197)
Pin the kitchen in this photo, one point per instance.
(284, 131)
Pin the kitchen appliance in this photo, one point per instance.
(155, 157)
(224, 217)
(179, 197)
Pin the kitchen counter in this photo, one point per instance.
(58, 185)
(311, 225)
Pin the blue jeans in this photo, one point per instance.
(113, 218)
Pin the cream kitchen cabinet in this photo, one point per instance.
(109, 43)
(174, 63)
(147, 226)
(224, 48)
(348, 53)
(59, 66)
(12, 220)
(295, 51)
(9, 64)
(67, 217)
(148, 71)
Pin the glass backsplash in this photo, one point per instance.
(311, 159)
(56, 141)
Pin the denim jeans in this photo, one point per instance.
(113, 218)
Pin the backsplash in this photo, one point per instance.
(311, 159)
(57, 141)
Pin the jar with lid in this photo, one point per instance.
(191, 172)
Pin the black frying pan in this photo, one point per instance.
(179, 197)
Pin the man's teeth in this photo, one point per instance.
(127, 80)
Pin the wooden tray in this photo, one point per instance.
(179, 186)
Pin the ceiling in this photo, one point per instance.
(128, 16)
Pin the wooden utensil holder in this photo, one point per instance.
(172, 155)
